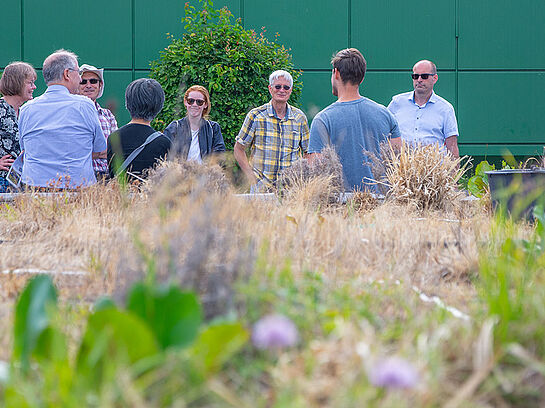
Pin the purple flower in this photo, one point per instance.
(393, 372)
(274, 332)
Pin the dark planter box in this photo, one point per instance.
(517, 191)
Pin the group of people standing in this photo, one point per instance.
(66, 140)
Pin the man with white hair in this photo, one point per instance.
(60, 131)
(276, 133)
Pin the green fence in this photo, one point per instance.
(490, 66)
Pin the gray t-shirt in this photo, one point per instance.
(352, 128)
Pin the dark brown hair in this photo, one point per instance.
(14, 77)
(351, 65)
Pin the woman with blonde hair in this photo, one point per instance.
(195, 136)
(16, 87)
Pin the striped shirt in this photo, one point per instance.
(275, 143)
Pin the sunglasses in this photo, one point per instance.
(199, 102)
(92, 80)
(424, 76)
(286, 87)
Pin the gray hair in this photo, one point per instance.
(56, 63)
(144, 99)
(279, 74)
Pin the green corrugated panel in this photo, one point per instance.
(99, 32)
(503, 34)
(154, 19)
(501, 150)
(316, 92)
(313, 30)
(395, 34)
(501, 107)
(10, 34)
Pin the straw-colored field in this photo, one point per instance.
(361, 282)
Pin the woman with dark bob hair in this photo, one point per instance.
(194, 137)
(144, 99)
(16, 86)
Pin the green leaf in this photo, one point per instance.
(173, 316)
(113, 338)
(483, 167)
(216, 345)
(477, 186)
(32, 316)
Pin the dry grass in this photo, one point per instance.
(424, 176)
(313, 183)
(187, 226)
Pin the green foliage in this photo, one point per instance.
(32, 319)
(478, 184)
(173, 315)
(160, 325)
(511, 283)
(232, 63)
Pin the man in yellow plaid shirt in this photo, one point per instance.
(277, 134)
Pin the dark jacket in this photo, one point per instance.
(210, 138)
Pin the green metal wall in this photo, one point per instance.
(490, 66)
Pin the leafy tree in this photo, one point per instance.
(234, 64)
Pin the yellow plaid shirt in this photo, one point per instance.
(275, 143)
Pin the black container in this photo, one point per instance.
(517, 191)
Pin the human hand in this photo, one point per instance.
(6, 162)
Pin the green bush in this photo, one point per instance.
(234, 64)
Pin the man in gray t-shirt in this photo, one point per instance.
(354, 124)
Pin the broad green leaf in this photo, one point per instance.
(51, 345)
(216, 345)
(104, 303)
(113, 338)
(483, 167)
(32, 316)
(173, 316)
(477, 186)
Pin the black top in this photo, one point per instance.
(126, 139)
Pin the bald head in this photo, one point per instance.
(427, 65)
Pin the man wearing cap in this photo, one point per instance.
(92, 86)
(423, 116)
(59, 130)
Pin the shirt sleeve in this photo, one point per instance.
(305, 134)
(394, 127)
(319, 135)
(246, 134)
(450, 126)
(91, 116)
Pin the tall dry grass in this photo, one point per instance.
(423, 176)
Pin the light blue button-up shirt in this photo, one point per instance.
(58, 133)
(432, 123)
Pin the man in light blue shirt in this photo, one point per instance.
(423, 116)
(60, 131)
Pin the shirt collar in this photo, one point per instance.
(271, 112)
(99, 108)
(57, 88)
(433, 97)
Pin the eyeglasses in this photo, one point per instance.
(92, 80)
(424, 76)
(286, 87)
(191, 101)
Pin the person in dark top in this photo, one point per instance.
(144, 99)
(195, 137)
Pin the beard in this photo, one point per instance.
(334, 90)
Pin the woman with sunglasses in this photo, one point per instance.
(16, 86)
(194, 137)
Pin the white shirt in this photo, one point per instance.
(194, 150)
